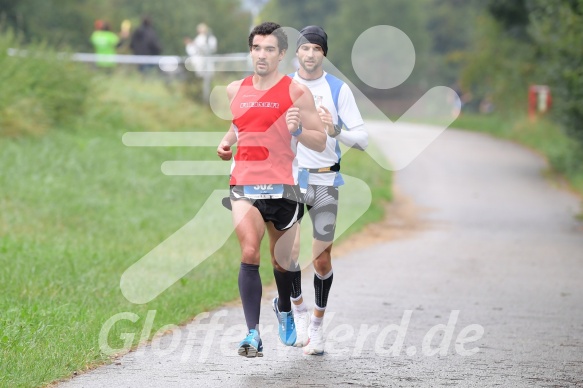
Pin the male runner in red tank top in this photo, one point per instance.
(264, 192)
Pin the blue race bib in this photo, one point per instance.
(266, 191)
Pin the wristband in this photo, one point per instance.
(337, 130)
(297, 132)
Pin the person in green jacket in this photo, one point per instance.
(105, 43)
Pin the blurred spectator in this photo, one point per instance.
(105, 43)
(124, 34)
(465, 99)
(486, 105)
(145, 42)
(204, 44)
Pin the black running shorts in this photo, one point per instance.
(282, 212)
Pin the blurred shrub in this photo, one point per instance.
(557, 27)
(39, 89)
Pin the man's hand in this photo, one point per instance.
(224, 151)
(292, 118)
(313, 136)
(326, 118)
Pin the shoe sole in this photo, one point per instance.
(250, 352)
(313, 353)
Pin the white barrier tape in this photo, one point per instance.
(232, 62)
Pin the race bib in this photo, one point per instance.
(267, 191)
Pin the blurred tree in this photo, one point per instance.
(7, 14)
(503, 58)
(300, 13)
(59, 22)
(345, 20)
(512, 15)
(525, 42)
(557, 28)
(451, 26)
(70, 23)
(498, 67)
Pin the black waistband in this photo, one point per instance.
(334, 168)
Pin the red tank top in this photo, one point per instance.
(266, 150)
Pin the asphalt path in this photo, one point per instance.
(485, 289)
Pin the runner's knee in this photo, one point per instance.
(277, 267)
(323, 263)
(250, 255)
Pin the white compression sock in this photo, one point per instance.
(316, 321)
(300, 308)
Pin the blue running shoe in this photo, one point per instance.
(251, 346)
(287, 326)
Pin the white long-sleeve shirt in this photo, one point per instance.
(353, 134)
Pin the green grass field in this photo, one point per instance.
(77, 208)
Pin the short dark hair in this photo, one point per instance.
(270, 28)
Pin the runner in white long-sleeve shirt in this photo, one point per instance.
(320, 177)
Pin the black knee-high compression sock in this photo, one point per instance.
(250, 290)
(322, 285)
(283, 280)
(296, 282)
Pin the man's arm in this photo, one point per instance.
(356, 137)
(224, 149)
(313, 135)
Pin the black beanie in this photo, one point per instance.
(315, 35)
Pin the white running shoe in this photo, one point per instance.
(315, 345)
(302, 320)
